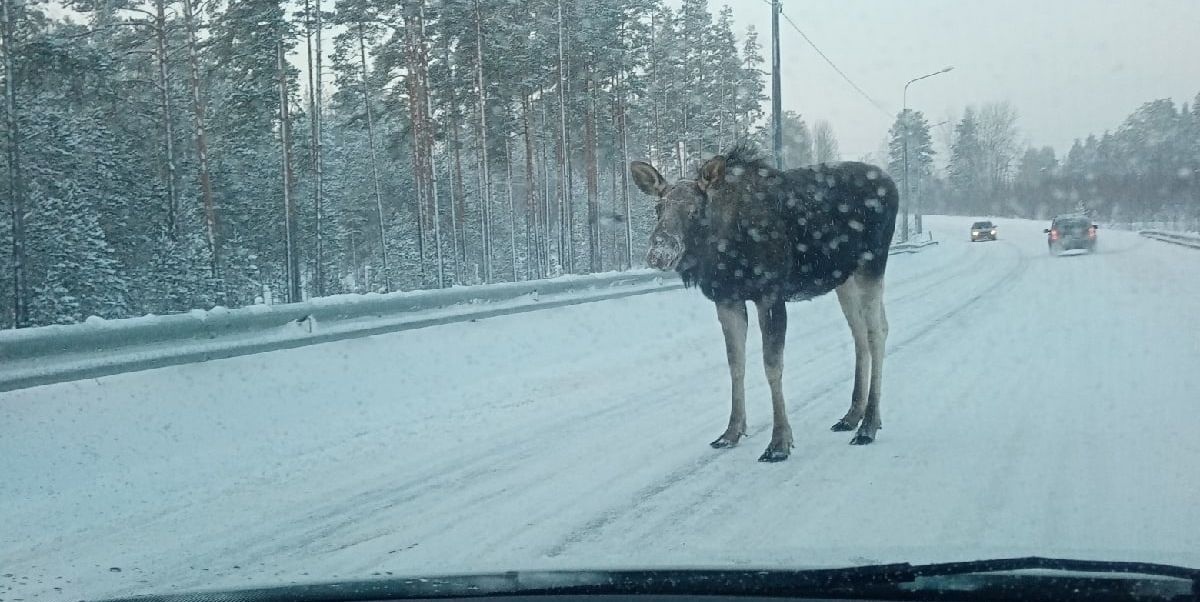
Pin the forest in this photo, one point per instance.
(165, 155)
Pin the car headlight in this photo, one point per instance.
(974, 232)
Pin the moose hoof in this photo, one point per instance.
(774, 455)
(729, 438)
(862, 439)
(841, 426)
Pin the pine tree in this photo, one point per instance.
(797, 140)
(966, 160)
(910, 160)
(752, 87)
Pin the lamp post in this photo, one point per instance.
(907, 124)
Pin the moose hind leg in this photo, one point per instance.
(850, 297)
(772, 321)
(877, 332)
(733, 324)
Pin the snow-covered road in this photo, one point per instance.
(1032, 405)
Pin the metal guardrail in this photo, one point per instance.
(911, 246)
(50, 354)
(1176, 238)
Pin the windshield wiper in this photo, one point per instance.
(1055, 564)
(978, 580)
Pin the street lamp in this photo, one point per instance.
(904, 115)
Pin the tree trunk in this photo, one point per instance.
(624, 134)
(614, 176)
(591, 171)
(289, 203)
(383, 247)
(314, 103)
(430, 172)
(458, 206)
(549, 185)
(171, 177)
(656, 140)
(485, 197)
(454, 245)
(416, 113)
(16, 189)
(210, 208)
(533, 213)
(566, 252)
(460, 194)
(512, 214)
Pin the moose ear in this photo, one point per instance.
(712, 172)
(647, 178)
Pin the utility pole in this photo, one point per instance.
(776, 95)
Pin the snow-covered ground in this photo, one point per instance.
(1033, 405)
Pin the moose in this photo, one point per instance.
(745, 231)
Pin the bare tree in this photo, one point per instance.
(825, 145)
(943, 135)
(1000, 142)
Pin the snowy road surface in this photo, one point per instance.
(1032, 405)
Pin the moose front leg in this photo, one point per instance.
(733, 324)
(772, 321)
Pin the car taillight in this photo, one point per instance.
(1054, 235)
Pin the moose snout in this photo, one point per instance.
(665, 251)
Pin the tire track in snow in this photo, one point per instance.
(356, 511)
(442, 478)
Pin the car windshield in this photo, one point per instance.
(301, 291)
(1074, 224)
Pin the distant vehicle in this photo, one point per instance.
(1068, 232)
(983, 231)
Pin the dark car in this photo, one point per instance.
(1069, 232)
(983, 231)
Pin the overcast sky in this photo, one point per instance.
(1070, 67)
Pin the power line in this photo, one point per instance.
(873, 102)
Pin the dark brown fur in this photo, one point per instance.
(793, 235)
